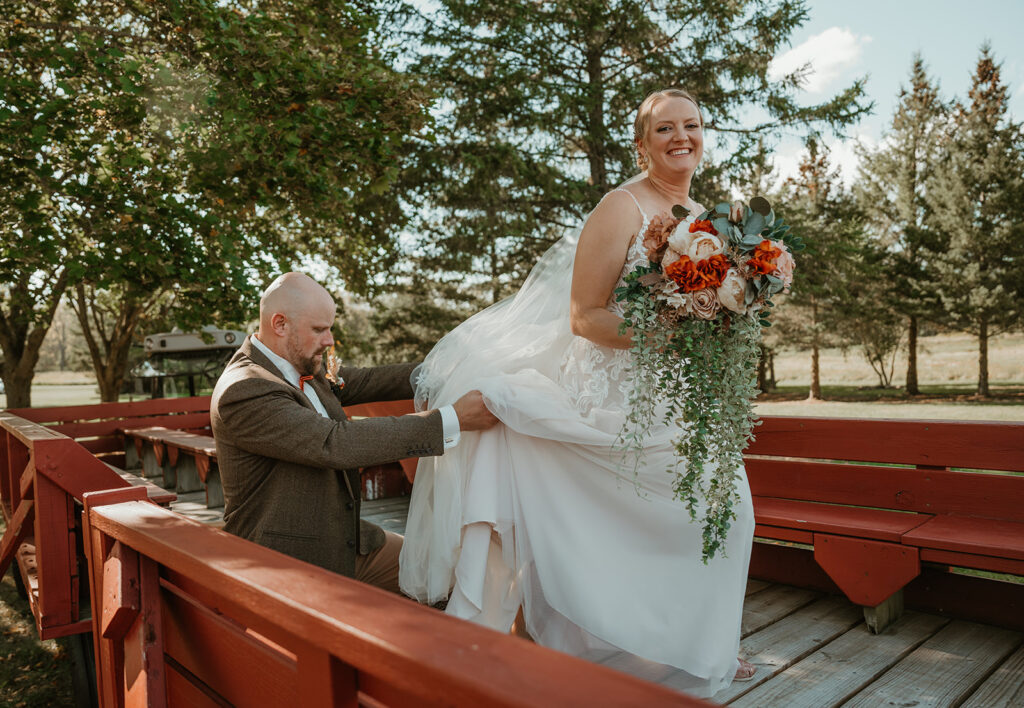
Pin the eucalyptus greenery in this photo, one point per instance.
(699, 375)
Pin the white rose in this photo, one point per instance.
(732, 290)
(679, 240)
(704, 245)
(670, 257)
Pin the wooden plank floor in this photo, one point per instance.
(814, 651)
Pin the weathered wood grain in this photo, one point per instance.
(843, 667)
(942, 671)
(772, 604)
(782, 643)
(1004, 688)
(754, 586)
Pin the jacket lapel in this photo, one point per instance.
(261, 359)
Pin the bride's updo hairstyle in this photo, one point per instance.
(643, 117)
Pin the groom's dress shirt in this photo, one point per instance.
(449, 418)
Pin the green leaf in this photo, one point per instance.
(754, 224)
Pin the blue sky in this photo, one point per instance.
(846, 40)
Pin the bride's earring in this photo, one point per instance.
(641, 159)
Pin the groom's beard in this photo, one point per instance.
(305, 365)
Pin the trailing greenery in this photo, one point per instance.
(695, 329)
(699, 375)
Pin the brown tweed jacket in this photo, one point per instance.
(290, 475)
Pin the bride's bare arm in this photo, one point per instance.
(599, 258)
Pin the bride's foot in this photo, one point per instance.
(745, 672)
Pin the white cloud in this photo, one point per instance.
(827, 55)
(842, 154)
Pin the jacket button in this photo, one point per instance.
(350, 506)
(351, 543)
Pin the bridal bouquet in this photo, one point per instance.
(696, 313)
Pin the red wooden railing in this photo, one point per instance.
(190, 615)
(42, 473)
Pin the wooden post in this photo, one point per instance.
(55, 554)
(109, 653)
(144, 672)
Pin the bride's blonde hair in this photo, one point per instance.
(643, 117)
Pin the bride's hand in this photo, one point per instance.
(736, 211)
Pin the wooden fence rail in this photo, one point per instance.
(42, 473)
(187, 614)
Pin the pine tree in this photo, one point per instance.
(538, 99)
(891, 190)
(825, 288)
(977, 204)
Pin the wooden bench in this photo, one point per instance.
(99, 427)
(186, 462)
(188, 615)
(877, 498)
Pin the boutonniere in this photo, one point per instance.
(333, 365)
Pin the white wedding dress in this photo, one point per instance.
(544, 512)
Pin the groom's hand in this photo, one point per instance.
(473, 413)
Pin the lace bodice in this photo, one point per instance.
(595, 376)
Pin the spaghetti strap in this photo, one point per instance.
(633, 197)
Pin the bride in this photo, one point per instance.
(543, 514)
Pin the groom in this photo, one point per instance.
(289, 456)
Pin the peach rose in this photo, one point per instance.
(680, 239)
(732, 291)
(784, 265)
(704, 245)
(704, 303)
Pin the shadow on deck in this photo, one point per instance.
(813, 650)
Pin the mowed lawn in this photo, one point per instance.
(947, 375)
(947, 366)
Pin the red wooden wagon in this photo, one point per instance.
(889, 514)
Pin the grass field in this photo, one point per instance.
(947, 366)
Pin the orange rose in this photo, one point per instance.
(713, 270)
(705, 226)
(764, 258)
(690, 276)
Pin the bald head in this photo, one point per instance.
(296, 314)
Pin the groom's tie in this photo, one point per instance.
(302, 382)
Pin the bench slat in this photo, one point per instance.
(966, 534)
(974, 445)
(107, 427)
(971, 560)
(842, 520)
(902, 488)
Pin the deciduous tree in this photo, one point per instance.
(197, 147)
